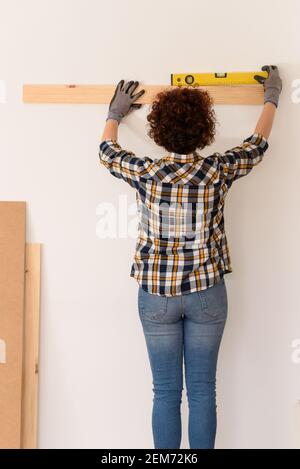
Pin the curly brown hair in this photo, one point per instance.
(182, 119)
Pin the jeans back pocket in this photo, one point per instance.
(214, 301)
(150, 305)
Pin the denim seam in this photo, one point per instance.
(204, 304)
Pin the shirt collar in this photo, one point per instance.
(183, 158)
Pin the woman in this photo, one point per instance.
(181, 252)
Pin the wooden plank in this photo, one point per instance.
(12, 262)
(102, 94)
(31, 347)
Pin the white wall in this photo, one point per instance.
(95, 381)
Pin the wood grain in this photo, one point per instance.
(31, 347)
(102, 94)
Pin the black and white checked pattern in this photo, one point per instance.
(181, 245)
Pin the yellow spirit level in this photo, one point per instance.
(206, 79)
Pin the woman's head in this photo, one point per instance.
(182, 120)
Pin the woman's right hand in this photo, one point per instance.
(272, 84)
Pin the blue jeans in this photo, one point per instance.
(190, 326)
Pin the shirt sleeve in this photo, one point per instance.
(240, 160)
(121, 163)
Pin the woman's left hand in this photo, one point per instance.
(123, 99)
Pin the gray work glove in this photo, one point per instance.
(123, 99)
(272, 84)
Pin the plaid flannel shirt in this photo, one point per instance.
(181, 245)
